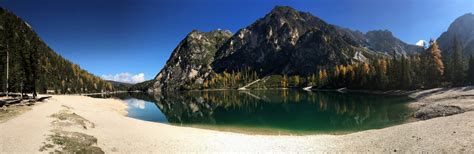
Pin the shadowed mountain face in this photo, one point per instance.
(462, 28)
(285, 41)
(33, 65)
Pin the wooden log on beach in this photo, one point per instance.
(10, 101)
(43, 98)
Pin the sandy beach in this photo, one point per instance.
(105, 120)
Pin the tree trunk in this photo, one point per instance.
(8, 61)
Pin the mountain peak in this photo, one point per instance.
(287, 13)
(282, 9)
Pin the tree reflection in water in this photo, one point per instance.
(291, 111)
(287, 110)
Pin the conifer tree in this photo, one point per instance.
(406, 77)
(381, 74)
(470, 72)
(433, 65)
(456, 74)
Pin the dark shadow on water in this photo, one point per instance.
(273, 111)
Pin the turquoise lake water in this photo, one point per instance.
(270, 111)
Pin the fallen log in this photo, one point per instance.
(9, 101)
(43, 98)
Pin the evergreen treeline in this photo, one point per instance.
(226, 80)
(420, 71)
(142, 86)
(33, 66)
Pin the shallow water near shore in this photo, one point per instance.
(272, 112)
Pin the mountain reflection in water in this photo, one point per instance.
(270, 111)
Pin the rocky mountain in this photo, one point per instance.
(284, 41)
(323, 48)
(191, 61)
(33, 65)
(462, 28)
(273, 45)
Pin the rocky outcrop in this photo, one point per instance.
(190, 62)
(462, 28)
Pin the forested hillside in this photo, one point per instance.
(35, 66)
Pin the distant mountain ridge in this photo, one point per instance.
(33, 65)
(120, 86)
(285, 41)
(382, 41)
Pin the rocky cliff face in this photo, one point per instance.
(462, 28)
(190, 61)
(265, 46)
(323, 48)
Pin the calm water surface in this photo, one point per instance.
(270, 111)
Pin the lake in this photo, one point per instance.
(270, 111)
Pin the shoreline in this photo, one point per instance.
(340, 90)
(115, 132)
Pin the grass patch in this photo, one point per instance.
(68, 118)
(71, 142)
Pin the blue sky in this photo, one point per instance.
(124, 38)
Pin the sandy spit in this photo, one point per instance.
(117, 133)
